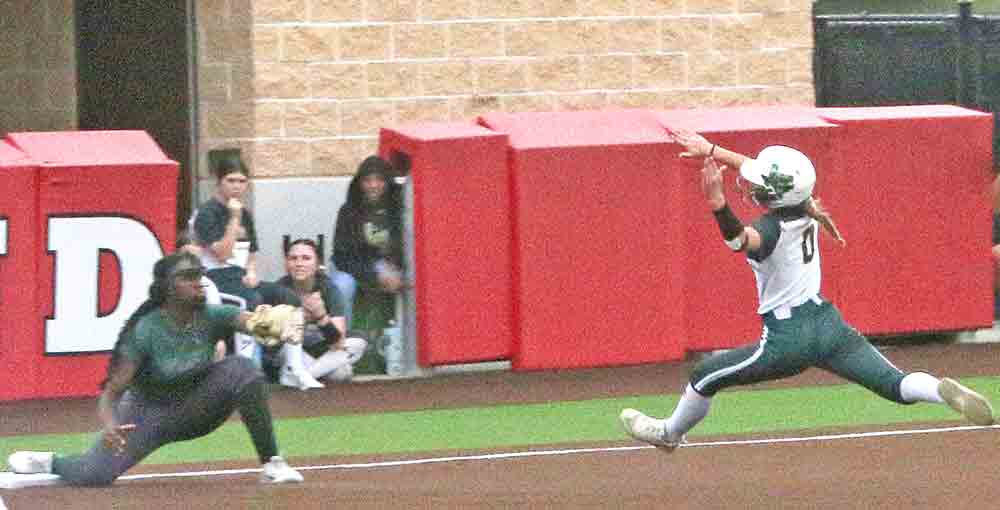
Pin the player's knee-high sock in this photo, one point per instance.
(920, 387)
(294, 357)
(256, 415)
(295, 361)
(691, 409)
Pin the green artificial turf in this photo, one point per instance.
(513, 426)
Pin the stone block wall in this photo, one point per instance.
(302, 86)
(37, 66)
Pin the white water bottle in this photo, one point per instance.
(393, 341)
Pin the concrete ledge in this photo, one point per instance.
(462, 368)
(980, 336)
(488, 366)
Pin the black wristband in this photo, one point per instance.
(330, 332)
(712, 151)
(729, 224)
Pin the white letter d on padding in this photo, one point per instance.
(77, 243)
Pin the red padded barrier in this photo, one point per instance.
(910, 190)
(719, 287)
(616, 260)
(18, 267)
(11, 156)
(597, 280)
(462, 232)
(92, 174)
(89, 146)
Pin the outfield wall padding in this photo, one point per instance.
(114, 193)
(594, 214)
(18, 269)
(462, 236)
(616, 260)
(909, 186)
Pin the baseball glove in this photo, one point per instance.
(273, 325)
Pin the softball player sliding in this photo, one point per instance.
(169, 380)
(801, 329)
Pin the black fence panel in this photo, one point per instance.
(883, 63)
(987, 72)
(885, 60)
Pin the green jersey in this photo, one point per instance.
(172, 358)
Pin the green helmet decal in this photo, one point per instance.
(778, 182)
(784, 177)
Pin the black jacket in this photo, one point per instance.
(366, 233)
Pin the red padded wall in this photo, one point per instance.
(462, 245)
(93, 173)
(597, 279)
(90, 146)
(719, 287)
(99, 190)
(18, 267)
(910, 190)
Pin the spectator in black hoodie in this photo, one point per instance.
(367, 241)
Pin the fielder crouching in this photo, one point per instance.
(169, 380)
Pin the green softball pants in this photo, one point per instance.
(815, 335)
(230, 385)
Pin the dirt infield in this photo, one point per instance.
(947, 469)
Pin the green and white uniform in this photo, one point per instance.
(800, 328)
(179, 393)
(173, 359)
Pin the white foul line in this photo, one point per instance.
(570, 451)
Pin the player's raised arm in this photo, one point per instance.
(737, 236)
(696, 146)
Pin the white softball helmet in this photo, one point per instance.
(779, 177)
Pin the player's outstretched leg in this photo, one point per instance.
(668, 434)
(278, 471)
(972, 405)
(26, 462)
(649, 430)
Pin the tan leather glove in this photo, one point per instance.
(272, 325)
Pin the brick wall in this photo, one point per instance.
(37, 65)
(303, 85)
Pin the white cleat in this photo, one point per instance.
(298, 379)
(28, 463)
(648, 430)
(278, 471)
(972, 405)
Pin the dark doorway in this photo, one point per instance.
(134, 71)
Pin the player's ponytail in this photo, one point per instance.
(818, 213)
(157, 296)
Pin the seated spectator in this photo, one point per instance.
(347, 286)
(240, 343)
(329, 352)
(185, 245)
(224, 232)
(367, 240)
